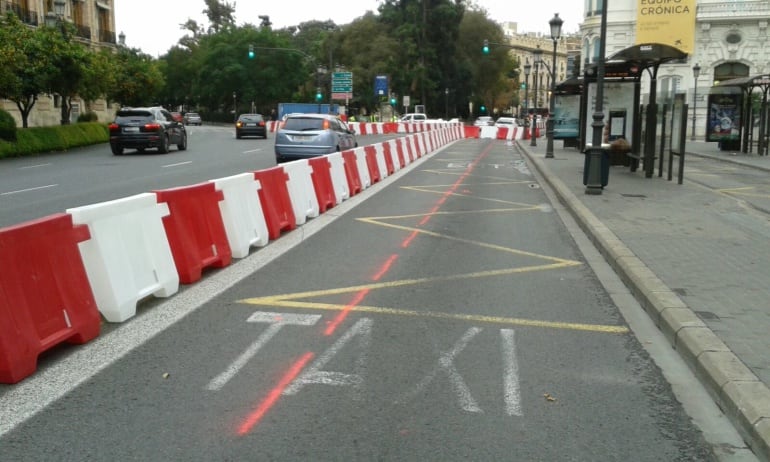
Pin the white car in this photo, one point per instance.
(484, 121)
(507, 122)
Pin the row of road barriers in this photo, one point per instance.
(65, 272)
(386, 128)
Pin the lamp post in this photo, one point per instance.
(235, 110)
(555, 23)
(538, 53)
(527, 70)
(446, 103)
(593, 177)
(695, 74)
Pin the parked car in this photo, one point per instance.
(143, 128)
(301, 136)
(193, 118)
(484, 121)
(506, 122)
(250, 125)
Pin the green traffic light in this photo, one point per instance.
(485, 48)
(251, 51)
(393, 101)
(483, 108)
(318, 96)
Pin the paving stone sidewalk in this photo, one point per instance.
(696, 260)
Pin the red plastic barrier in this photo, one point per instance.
(45, 296)
(388, 158)
(351, 172)
(472, 131)
(195, 230)
(390, 127)
(322, 183)
(276, 201)
(371, 163)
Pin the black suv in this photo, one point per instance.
(143, 128)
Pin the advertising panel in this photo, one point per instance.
(724, 117)
(618, 111)
(670, 22)
(566, 120)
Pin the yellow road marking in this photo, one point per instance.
(268, 301)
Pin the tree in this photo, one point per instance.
(68, 62)
(221, 15)
(138, 79)
(26, 65)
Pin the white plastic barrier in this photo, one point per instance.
(128, 256)
(301, 191)
(363, 167)
(242, 213)
(382, 166)
(339, 179)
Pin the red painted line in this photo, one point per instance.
(385, 267)
(409, 239)
(343, 314)
(254, 418)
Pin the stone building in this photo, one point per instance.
(730, 41)
(94, 22)
(524, 46)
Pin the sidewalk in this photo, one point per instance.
(698, 263)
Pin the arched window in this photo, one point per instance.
(732, 70)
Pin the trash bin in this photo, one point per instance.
(605, 166)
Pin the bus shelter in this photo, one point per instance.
(738, 114)
(624, 116)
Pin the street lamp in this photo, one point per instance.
(695, 74)
(555, 23)
(527, 70)
(446, 103)
(235, 110)
(594, 159)
(538, 53)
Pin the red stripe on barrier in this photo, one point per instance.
(322, 183)
(472, 131)
(371, 163)
(409, 150)
(400, 152)
(351, 172)
(195, 230)
(45, 296)
(388, 158)
(390, 127)
(276, 201)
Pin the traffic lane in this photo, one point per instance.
(388, 381)
(34, 187)
(745, 184)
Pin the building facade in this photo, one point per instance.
(730, 42)
(94, 22)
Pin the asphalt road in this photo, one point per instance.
(445, 314)
(33, 187)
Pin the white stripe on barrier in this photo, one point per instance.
(394, 155)
(382, 166)
(363, 167)
(242, 213)
(128, 256)
(339, 179)
(301, 191)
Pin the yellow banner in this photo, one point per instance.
(671, 22)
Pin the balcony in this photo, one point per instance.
(107, 36)
(83, 32)
(25, 15)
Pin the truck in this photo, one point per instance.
(306, 108)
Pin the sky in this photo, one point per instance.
(155, 33)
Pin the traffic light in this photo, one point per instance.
(483, 108)
(485, 48)
(318, 95)
(251, 51)
(392, 100)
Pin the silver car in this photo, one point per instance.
(301, 136)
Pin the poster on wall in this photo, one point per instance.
(566, 120)
(618, 108)
(724, 117)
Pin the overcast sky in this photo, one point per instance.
(153, 25)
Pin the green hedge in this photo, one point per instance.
(38, 140)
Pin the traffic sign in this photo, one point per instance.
(381, 85)
(342, 82)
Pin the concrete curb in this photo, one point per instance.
(736, 390)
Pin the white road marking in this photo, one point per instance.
(34, 166)
(253, 150)
(276, 321)
(446, 363)
(177, 164)
(28, 189)
(511, 391)
(314, 374)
